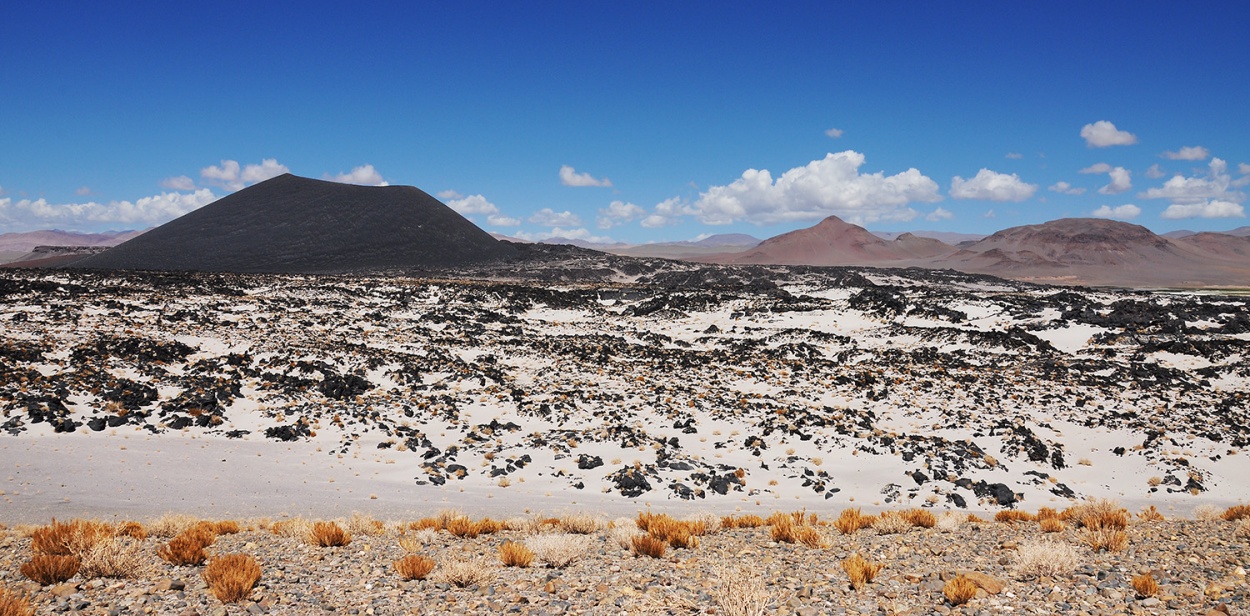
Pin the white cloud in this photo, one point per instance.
(547, 217)
(1066, 189)
(1121, 181)
(1242, 168)
(1196, 152)
(1127, 211)
(834, 133)
(1205, 209)
(448, 194)
(502, 221)
(991, 186)
(618, 212)
(939, 214)
(1096, 168)
(667, 212)
(230, 176)
(1155, 172)
(1015, 155)
(562, 233)
(570, 177)
(180, 182)
(1103, 134)
(141, 213)
(829, 186)
(1217, 185)
(472, 204)
(364, 175)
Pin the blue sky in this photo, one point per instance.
(638, 121)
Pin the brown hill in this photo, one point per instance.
(831, 242)
(290, 224)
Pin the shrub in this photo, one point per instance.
(487, 526)
(1105, 539)
(851, 520)
(1150, 514)
(1207, 511)
(294, 528)
(1236, 512)
(558, 551)
(463, 574)
(920, 518)
(515, 555)
(134, 530)
(113, 558)
(624, 535)
(426, 523)
(1117, 520)
(462, 527)
(1035, 559)
(1145, 585)
(740, 593)
(13, 604)
(1093, 509)
(709, 523)
(646, 545)
(959, 590)
(48, 569)
(171, 525)
(183, 550)
(226, 527)
(811, 537)
(1052, 525)
(1047, 513)
(413, 567)
(891, 523)
(1011, 516)
(949, 522)
(61, 539)
(580, 524)
(742, 521)
(417, 541)
(329, 535)
(860, 570)
(364, 525)
(231, 577)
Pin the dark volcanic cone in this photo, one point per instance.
(290, 224)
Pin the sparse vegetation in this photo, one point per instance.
(558, 550)
(890, 523)
(1035, 559)
(329, 535)
(740, 593)
(1145, 585)
(1236, 512)
(48, 569)
(185, 549)
(231, 577)
(1105, 539)
(1052, 525)
(1150, 514)
(13, 604)
(513, 554)
(464, 573)
(581, 524)
(1011, 516)
(959, 590)
(646, 545)
(413, 567)
(860, 571)
(851, 520)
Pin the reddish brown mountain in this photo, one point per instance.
(836, 242)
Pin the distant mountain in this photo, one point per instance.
(290, 224)
(1239, 232)
(17, 246)
(836, 242)
(1178, 234)
(583, 243)
(714, 244)
(948, 237)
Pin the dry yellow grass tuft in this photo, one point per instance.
(1236, 512)
(1105, 519)
(1047, 513)
(851, 520)
(1036, 559)
(171, 524)
(743, 521)
(13, 604)
(424, 523)
(329, 535)
(1011, 516)
(48, 569)
(860, 571)
(134, 530)
(226, 527)
(959, 590)
(232, 577)
(515, 555)
(413, 567)
(185, 549)
(676, 533)
(920, 518)
(62, 539)
(891, 523)
(1145, 585)
(740, 592)
(462, 527)
(646, 545)
(294, 528)
(1105, 539)
(1052, 525)
(581, 524)
(465, 573)
(1150, 514)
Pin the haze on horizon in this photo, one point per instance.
(635, 123)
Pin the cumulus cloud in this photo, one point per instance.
(991, 186)
(834, 133)
(1127, 211)
(1242, 168)
(231, 176)
(1066, 189)
(1205, 209)
(1121, 181)
(829, 186)
(1103, 134)
(1015, 155)
(364, 175)
(1216, 185)
(618, 212)
(477, 205)
(570, 177)
(1096, 168)
(180, 182)
(1196, 152)
(498, 220)
(939, 214)
(668, 212)
(547, 217)
(145, 212)
(567, 234)
(1155, 172)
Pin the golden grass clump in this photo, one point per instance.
(226, 527)
(677, 533)
(462, 527)
(232, 577)
(329, 535)
(1105, 539)
(13, 604)
(1235, 513)
(294, 528)
(111, 557)
(891, 523)
(62, 539)
(646, 545)
(558, 550)
(959, 590)
(49, 569)
(1011, 516)
(424, 523)
(581, 524)
(487, 526)
(134, 530)
(185, 549)
(920, 518)
(860, 571)
(1106, 519)
(1145, 585)
(363, 525)
(413, 567)
(851, 520)
(1150, 514)
(749, 520)
(513, 554)
(1047, 513)
(1052, 525)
